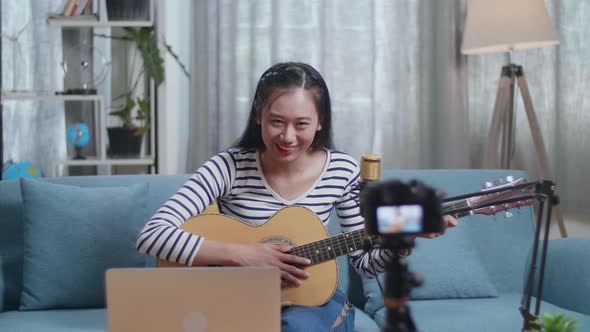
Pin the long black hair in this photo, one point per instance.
(288, 75)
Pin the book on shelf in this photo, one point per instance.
(68, 7)
(76, 8)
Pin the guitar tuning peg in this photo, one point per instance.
(507, 214)
(518, 210)
(510, 178)
(487, 185)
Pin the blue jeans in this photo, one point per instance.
(336, 315)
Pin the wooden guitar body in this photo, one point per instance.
(293, 226)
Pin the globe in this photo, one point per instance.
(23, 169)
(78, 135)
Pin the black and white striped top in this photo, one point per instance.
(234, 178)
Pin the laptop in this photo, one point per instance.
(196, 299)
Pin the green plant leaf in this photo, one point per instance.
(153, 68)
(125, 113)
(143, 114)
(175, 56)
(148, 47)
(557, 323)
(144, 109)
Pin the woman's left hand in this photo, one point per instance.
(448, 221)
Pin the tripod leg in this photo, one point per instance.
(498, 122)
(539, 144)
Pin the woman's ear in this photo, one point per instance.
(319, 127)
(258, 115)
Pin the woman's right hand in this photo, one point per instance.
(273, 255)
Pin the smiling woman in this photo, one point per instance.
(285, 157)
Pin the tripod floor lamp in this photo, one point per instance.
(503, 26)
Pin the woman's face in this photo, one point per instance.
(289, 124)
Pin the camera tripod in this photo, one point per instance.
(398, 284)
(503, 123)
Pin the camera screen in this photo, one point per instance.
(399, 219)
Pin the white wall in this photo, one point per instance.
(173, 95)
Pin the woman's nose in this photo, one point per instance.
(288, 134)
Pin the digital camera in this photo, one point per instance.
(392, 207)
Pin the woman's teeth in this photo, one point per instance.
(286, 148)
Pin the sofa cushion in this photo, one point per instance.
(569, 290)
(84, 320)
(450, 267)
(71, 236)
(364, 323)
(469, 315)
(11, 244)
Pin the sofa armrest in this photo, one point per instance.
(566, 282)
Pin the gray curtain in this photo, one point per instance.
(392, 68)
(399, 85)
(33, 131)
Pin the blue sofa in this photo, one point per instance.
(58, 235)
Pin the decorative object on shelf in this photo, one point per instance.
(23, 169)
(76, 8)
(16, 50)
(79, 69)
(123, 142)
(121, 10)
(557, 323)
(78, 135)
(135, 111)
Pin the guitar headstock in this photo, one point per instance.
(488, 201)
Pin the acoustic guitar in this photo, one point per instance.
(301, 229)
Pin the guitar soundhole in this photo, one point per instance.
(278, 240)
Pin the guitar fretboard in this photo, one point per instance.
(453, 207)
(330, 248)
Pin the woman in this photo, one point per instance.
(284, 157)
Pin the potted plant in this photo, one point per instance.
(556, 323)
(134, 112)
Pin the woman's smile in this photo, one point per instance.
(285, 149)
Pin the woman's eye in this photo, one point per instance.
(303, 124)
(276, 121)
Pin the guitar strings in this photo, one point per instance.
(325, 249)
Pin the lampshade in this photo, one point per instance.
(505, 25)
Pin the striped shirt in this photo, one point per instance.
(234, 179)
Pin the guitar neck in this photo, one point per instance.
(332, 247)
(457, 209)
(345, 243)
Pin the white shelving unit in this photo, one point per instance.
(99, 102)
(99, 20)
